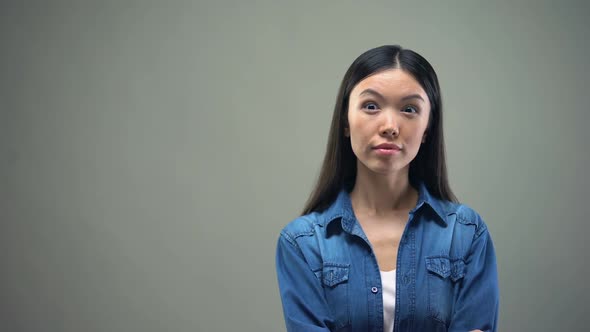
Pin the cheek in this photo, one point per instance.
(360, 126)
(358, 133)
(418, 131)
(358, 142)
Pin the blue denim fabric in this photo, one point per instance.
(446, 278)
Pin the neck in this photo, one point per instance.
(382, 194)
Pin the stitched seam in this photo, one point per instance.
(463, 220)
(300, 253)
(289, 239)
(483, 228)
(479, 227)
(293, 236)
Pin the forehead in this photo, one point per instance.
(394, 83)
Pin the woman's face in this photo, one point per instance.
(387, 115)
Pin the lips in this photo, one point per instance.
(387, 149)
(387, 146)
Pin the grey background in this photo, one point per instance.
(150, 152)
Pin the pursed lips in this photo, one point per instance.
(387, 146)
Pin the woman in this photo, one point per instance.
(382, 243)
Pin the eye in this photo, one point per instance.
(370, 106)
(409, 109)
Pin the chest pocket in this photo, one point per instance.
(444, 275)
(335, 282)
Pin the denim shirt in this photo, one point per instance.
(446, 277)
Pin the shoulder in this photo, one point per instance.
(302, 226)
(304, 236)
(467, 216)
(453, 214)
(465, 231)
(462, 221)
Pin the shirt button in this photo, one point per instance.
(374, 290)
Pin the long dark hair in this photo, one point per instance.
(339, 166)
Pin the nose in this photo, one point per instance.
(390, 126)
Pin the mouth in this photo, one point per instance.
(387, 149)
(387, 146)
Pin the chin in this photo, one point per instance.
(384, 169)
(381, 167)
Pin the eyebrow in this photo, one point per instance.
(373, 92)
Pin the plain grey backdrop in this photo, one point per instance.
(151, 151)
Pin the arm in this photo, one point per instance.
(478, 300)
(304, 305)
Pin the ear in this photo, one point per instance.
(424, 138)
(346, 132)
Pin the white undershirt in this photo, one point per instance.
(388, 286)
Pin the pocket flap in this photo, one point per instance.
(457, 269)
(440, 266)
(445, 267)
(333, 274)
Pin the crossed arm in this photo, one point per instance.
(305, 308)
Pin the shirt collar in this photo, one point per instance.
(341, 208)
(440, 207)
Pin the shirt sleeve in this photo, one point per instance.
(477, 303)
(304, 305)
